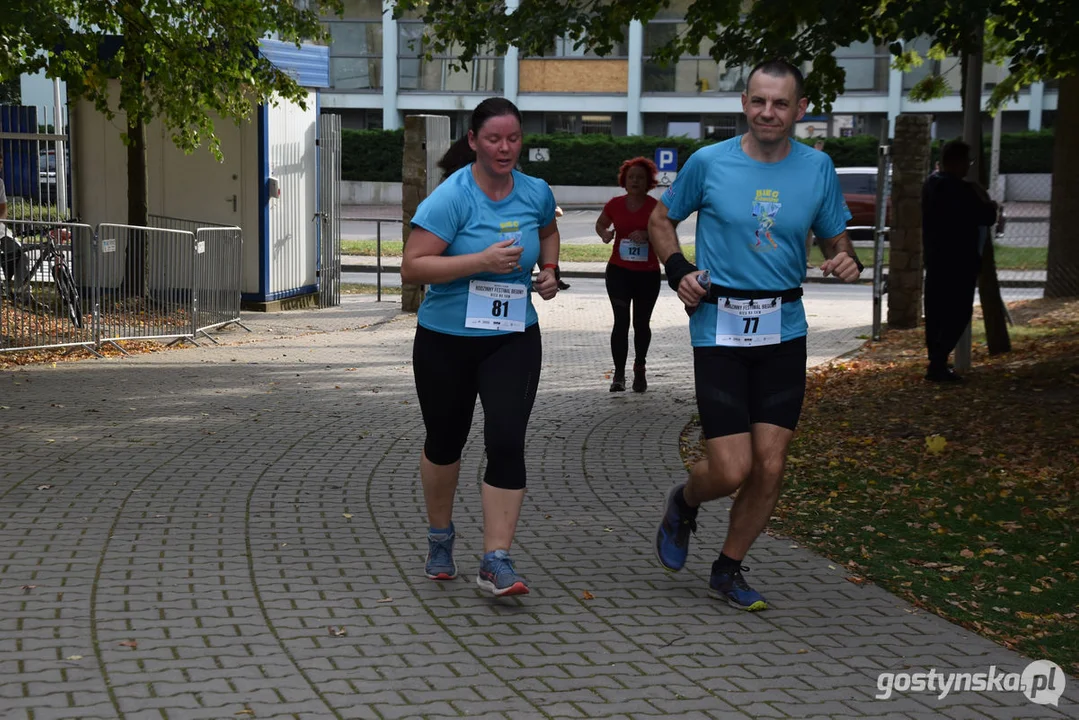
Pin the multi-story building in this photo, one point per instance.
(378, 76)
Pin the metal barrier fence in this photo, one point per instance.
(147, 283)
(1021, 249)
(218, 258)
(218, 277)
(47, 274)
(378, 246)
(66, 285)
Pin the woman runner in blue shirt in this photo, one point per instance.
(474, 242)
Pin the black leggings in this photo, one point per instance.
(641, 287)
(503, 370)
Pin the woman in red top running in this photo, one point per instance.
(633, 270)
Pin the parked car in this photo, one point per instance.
(859, 186)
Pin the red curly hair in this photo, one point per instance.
(642, 162)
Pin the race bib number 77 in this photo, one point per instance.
(745, 323)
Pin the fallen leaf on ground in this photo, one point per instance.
(337, 631)
(385, 600)
(130, 643)
(587, 595)
(935, 444)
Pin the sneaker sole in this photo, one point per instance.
(663, 514)
(442, 575)
(752, 607)
(517, 588)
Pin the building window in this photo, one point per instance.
(483, 74)
(564, 47)
(576, 124)
(948, 68)
(355, 54)
(867, 66)
(595, 124)
(720, 127)
(697, 73)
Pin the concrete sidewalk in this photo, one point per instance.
(238, 531)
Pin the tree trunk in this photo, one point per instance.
(993, 311)
(137, 180)
(1063, 262)
(135, 262)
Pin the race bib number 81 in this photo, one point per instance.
(745, 323)
(496, 306)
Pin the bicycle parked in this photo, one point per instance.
(19, 274)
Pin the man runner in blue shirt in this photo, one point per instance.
(756, 197)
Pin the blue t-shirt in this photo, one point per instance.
(752, 222)
(459, 213)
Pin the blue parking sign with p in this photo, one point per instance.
(667, 159)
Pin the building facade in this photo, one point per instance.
(378, 75)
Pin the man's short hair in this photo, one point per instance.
(780, 68)
(954, 151)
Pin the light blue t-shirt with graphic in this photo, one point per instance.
(752, 221)
(459, 213)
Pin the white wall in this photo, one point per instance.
(1028, 187)
(198, 187)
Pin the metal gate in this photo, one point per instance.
(329, 210)
(35, 162)
(880, 230)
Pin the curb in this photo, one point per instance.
(567, 273)
(599, 274)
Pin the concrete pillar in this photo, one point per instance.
(390, 117)
(1037, 103)
(511, 65)
(636, 74)
(910, 168)
(895, 98)
(427, 138)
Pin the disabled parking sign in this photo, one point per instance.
(667, 164)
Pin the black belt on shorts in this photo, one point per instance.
(719, 291)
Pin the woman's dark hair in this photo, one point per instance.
(641, 162)
(460, 154)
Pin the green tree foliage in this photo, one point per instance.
(180, 62)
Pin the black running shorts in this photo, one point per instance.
(740, 386)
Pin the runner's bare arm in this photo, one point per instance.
(661, 233)
(603, 227)
(841, 259)
(423, 262)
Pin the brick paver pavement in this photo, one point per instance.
(179, 532)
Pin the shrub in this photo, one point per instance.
(593, 160)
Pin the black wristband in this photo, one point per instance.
(678, 267)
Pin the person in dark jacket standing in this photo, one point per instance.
(955, 213)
